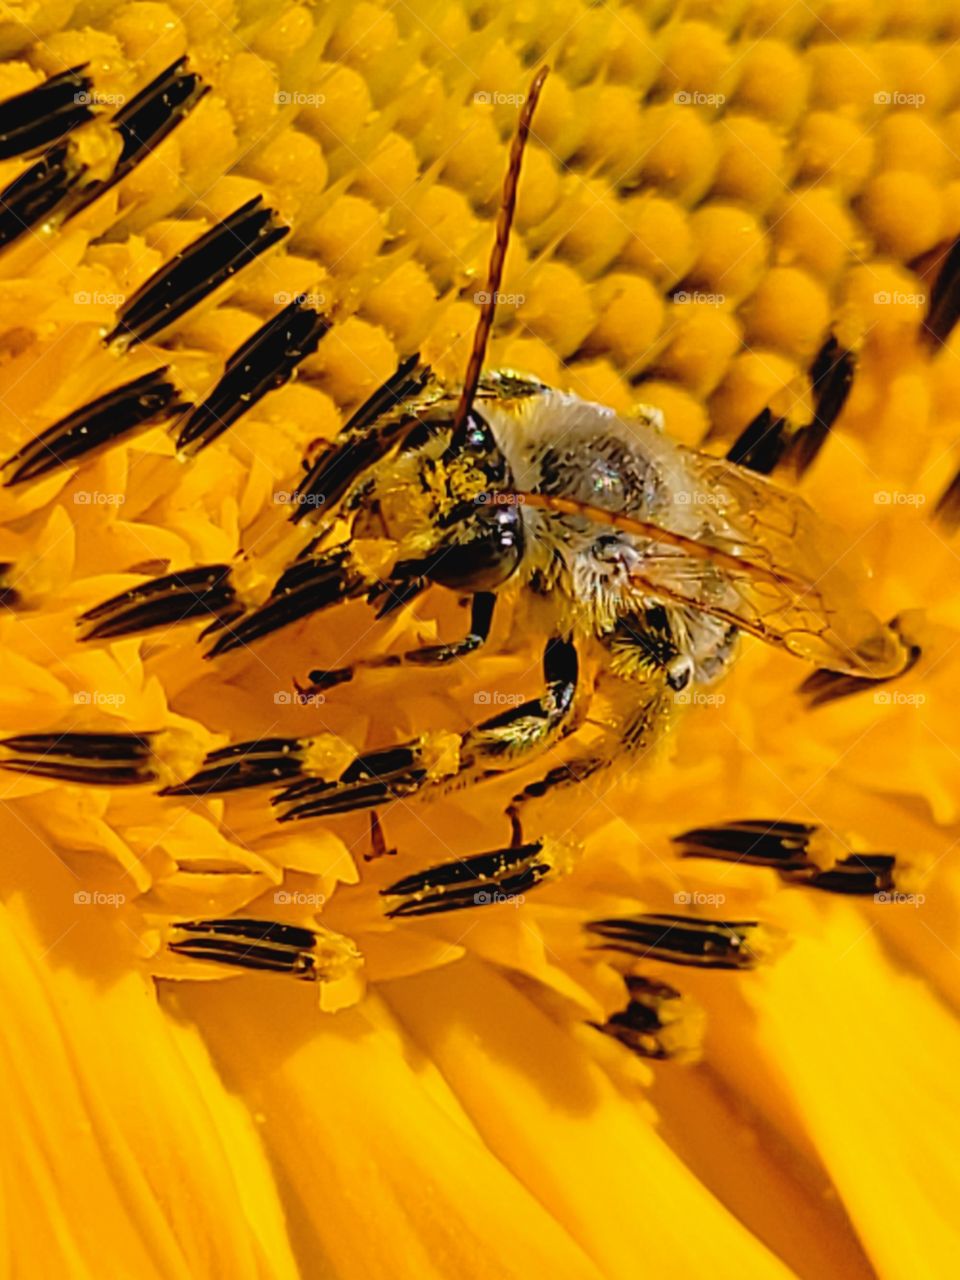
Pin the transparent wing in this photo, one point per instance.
(740, 548)
(794, 588)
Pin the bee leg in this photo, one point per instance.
(481, 620)
(645, 707)
(496, 745)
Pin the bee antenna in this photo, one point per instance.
(508, 202)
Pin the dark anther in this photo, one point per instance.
(266, 762)
(308, 585)
(197, 270)
(649, 1024)
(860, 874)
(175, 597)
(38, 191)
(357, 446)
(95, 759)
(249, 944)
(944, 306)
(266, 361)
(137, 404)
(712, 944)
(479, 881)
(755, 843)
(42, 115)
(761, 444)
(154, 112)
(823, 686)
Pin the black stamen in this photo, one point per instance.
(137, 404)
(943, 309)
(266, 361)
(823, 686)
(357, 448)
(755, 843)
(264, 945)
(154, 112)
(242, 765)
(760, 446)
(305, 587)
(712, 944)
(861, 873)
(40, 189)
(176, 597)
(653, 1008)
(95, 759)
(197, 270)
(42, 115)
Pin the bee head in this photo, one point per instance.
(479, 520)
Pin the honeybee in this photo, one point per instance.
(614, 539)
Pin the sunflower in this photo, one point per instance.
(718, 1038)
